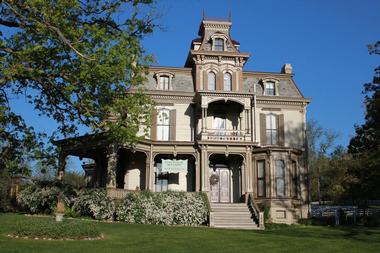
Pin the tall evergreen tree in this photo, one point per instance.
(365, 145)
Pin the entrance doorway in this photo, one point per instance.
(225, 178)
(220, 185)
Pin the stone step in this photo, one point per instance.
(224, 209)
(248, 227)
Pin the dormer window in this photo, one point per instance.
(269, 89)
(164, 83)
(218, 44)
(164, 80)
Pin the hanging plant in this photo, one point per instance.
(214, 179)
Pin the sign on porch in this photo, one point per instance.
(174, 166)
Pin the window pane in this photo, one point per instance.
(261, 188)
(269, 89)
(273, 122)
(227, 82)
(219, 44)
(280, 168)
(164, 83)
(280, 178)
(211, 81)
(280, 187)
(260, 169)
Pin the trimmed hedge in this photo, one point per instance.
(44, 228)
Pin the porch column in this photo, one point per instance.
(205, 170)
(243, 123)
(111, 166)
(147, 171)
(203, 119)
(197, 172)
(248, 170)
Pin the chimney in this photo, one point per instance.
(287, 68)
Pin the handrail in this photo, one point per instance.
(252, 207)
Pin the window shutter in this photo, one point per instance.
(281, 130)
(172, 125)
(153, 126)
(263, 128)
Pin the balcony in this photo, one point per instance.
(225, 135)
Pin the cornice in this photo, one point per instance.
(277, 100)
(220, 53)
(170, 69)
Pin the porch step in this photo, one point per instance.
(233, 216)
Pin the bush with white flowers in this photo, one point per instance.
(166, 208)
(41, 197)
(95, 203)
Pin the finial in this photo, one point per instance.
(230, 16)
(203, 14)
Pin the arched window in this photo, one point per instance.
(271, 129)
(163, 119)
(211, 81)
(227, 82)
(280, 178)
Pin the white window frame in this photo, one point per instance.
(270, 91)
(163, 125)
(164, 83)
(271, 130)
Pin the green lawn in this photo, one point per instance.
(150, 238)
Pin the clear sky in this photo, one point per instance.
(324, 40)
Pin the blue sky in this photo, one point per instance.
(325, 41)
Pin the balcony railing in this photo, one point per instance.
(225, 135)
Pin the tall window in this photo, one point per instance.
(164, 83)
(211, 81)
(163, 125)
(294, 180)
(227, 82)
(269, 89)
(280, 178)
(261, 178)
(271, 129)
(218, 44)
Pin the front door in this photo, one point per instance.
(220, 185)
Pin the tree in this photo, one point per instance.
(76, 62)
(365, 145)
(319, 142)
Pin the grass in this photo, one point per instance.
(49, 228)
(120, 237)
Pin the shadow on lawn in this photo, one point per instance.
(353, 233)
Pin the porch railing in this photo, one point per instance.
(225, 135)
(257, 216)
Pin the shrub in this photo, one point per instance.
(48, 228)
(94, 203)
(163, 208)
(41, 197)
